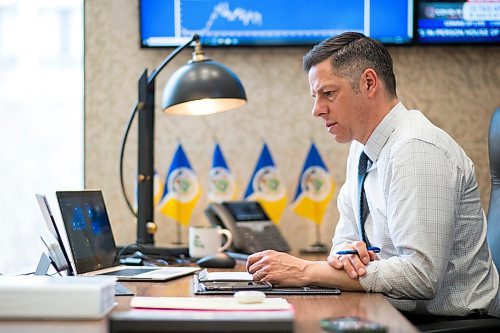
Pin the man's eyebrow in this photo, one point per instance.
(326, 87)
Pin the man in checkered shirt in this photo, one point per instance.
(423, 208)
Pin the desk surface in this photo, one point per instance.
(308, 309)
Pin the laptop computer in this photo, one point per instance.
(92, 243)
(50, 223)
(120, 289)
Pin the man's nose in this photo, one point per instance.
(318, 109)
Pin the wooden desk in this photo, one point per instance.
(308, 310)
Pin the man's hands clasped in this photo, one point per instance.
(353, 264)
(277, 268)
(282, 269)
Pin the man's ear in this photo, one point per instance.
(370, 82)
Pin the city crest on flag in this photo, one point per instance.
(221, 183)
(267, 187)
(181, 190)
(314, 189)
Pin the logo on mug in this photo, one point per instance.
(197, 242)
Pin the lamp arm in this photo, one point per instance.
(171, 56)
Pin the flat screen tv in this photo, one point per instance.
(458, 22)
(166, 23)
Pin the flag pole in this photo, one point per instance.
(318, 234)
(179, 234)
(316, 247)
(179, 227)
(178, 242)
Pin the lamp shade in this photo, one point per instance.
(202, 87)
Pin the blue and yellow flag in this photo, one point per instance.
(158, 188)
(221, 183)
(315, 188)
(267, 187)
(181, 190)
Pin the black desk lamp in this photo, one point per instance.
(200, 87)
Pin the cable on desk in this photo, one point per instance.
(122, 153)
(152, 260)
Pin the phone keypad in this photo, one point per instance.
(268, 239)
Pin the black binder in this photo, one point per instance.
(218, 322)
(230, 287)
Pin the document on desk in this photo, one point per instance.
(208, 303)
(188, 321)
(207, 314)
(227, 283)
(205, 276)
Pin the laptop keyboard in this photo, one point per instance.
(121, 290)
(130, 272)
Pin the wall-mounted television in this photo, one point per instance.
(458, 22)
(167, 23)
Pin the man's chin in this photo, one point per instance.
(341, 139)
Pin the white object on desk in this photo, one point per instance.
(194, 314)
(249, 296)
(209, 303)
(205, 240)
(188, 321)
(205, 276)
(60, 297)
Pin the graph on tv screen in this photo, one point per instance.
(272, 22)
(458, 22)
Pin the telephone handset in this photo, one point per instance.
(251, 228)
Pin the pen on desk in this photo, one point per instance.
(369, 248)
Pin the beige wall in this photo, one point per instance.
(456, 87)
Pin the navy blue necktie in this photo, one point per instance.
(363, 204)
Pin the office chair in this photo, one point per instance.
(494, 208)
(493, 234)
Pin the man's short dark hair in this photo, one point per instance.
(350, 54)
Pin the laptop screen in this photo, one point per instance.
(52, 228)
(89, 231)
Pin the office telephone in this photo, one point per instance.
(252, 229)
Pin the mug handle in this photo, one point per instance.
(229, 239)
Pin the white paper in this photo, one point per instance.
(226, 276)
(242, 316)
(208, 303)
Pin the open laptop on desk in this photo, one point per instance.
(120, 289)
(92, 243)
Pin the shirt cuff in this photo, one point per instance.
(372, 281)
(338, 247)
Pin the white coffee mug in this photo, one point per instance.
(206, 240)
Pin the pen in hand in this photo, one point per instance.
(370, 248)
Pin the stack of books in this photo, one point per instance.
(62, 297)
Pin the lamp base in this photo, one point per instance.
(319, 248)
(176, 250)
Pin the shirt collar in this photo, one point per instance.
(383, 131)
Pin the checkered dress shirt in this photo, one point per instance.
(425, 214)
